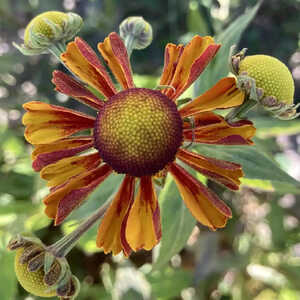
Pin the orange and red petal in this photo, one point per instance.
(63, 200)
(183, 67)
(210, 128)
(221, 171)
(224, 94)
(46, 154)
(172, 56)
(143, 225)
(115, 55)
(109, 231)
(203, 203)
(83, 62)
(66, 168)
(46, 123)
(69, 86)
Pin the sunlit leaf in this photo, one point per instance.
(8, 286)
(255, 163)
(268, 127)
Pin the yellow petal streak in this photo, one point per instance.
(204, 205)
(141, 229)
(108, 236)
(224, 94)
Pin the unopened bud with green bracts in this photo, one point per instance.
(136, 33)
(47, 30)
(40, 272)
(266, 81)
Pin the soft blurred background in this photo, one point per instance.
(257, 256)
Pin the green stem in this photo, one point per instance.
(54, 49)
(241, 111)
(129, 44)
(62, 247)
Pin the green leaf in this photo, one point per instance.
(8, 286)
(17, 207)
(177, 223)
(276, 219)
(102, 193)
(268, 127)
(98, 197)
(168, 283)
(18, 185)
(228, 37)
(256, 165)
(196, 21)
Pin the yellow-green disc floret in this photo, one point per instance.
(32, 282)
(271, 75)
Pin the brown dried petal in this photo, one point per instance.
(29, 252)
(75, 287)
(64, 289)
(36, 263)
(18, 242)
(53, 275)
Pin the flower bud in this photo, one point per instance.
(137, 29)
(32, 282)
(268, 81)
(41, 273)
(271, 75)
(47, 29)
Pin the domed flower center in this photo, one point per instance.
(138, 131)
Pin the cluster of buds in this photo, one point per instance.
(265, 81)
(49, 29)
(40, 271)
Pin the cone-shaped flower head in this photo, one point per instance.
(138, 132)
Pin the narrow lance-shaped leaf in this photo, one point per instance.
(256, 164)
(177, 224)
(228, 37)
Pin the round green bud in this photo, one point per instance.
(137, 29)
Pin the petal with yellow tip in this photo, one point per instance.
(109, 231)
(69, 86)
(210, 128)
(115, 54)
(203, 203)
(143, 226)
(46, 123)
(183, 67)
(221, 171)
(224, 94)
(83, 61)
(45, 154)
(63, 199)
(66, 168)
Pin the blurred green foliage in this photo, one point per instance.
(257, 256)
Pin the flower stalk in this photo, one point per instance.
(62, 247)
